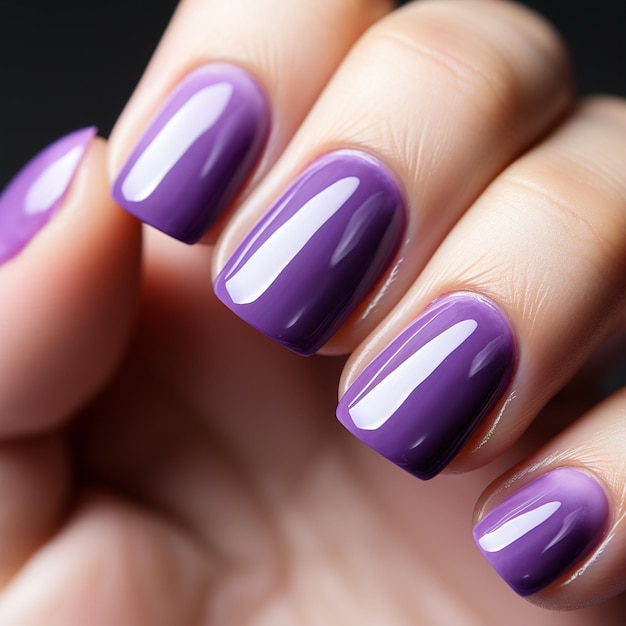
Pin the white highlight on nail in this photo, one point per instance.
(264, 266)
(182, 130)
(53, 182)
(378, 405)
(517, 528)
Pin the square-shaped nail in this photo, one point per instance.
(418, 402)
(197, 152)
(37, 191)
(541, 531)
(317, 252)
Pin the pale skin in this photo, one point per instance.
(164, 464)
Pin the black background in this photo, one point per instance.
(71, 63)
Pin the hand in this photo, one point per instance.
(165, 463)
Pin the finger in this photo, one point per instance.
(531, 282)
(34, 486)
(432, 103)
(68, 284)
(227, 87)
(553, 527)
(123, 566)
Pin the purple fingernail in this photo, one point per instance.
(536, 535)
(313, 257)
(37, 191)
(421, 398)
(197, 152)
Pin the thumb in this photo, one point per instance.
(69, 275)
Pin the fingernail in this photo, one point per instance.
(536, 535)
(197, 152)
(37, 191)
(418, 402)
(311, 259)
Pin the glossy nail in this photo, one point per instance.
(314, 256)
(37, 191)
(197, 152)
(421, 398)
(540, 532)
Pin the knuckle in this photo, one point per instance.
(476, 50)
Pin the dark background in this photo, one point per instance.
(71, 63)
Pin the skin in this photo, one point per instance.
(175, 467)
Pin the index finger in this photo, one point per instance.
(226, 89)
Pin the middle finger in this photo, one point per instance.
(446, 95)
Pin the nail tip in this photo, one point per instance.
(221, 293)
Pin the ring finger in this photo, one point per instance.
(531, 282)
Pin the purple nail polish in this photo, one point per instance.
(197, 152)
(541, 531)
(421, 398)
(37, 191)
(312, 258)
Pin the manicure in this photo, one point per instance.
(197, 153)
(540, 532)
(419, 401)
(37, 191)
(314, 256)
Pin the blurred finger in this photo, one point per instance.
(68, 285)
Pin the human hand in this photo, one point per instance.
(166, 464)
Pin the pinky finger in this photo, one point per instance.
(554, 527)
